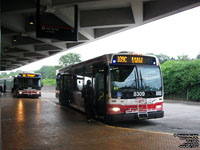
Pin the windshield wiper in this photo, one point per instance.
(141, 80)
(136, 80)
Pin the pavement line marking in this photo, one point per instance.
(109, 126)
(154, 132)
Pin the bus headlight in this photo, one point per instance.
(115, 109)
(158, 106)
(38, 92)
(20, 92)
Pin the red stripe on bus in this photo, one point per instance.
(124, 108)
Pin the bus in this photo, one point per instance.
(27, 85)
(126, 86)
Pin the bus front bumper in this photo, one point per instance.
(29, 93)
(134, 116)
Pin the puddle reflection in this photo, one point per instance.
(20, 111)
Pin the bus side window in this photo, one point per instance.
(86, 79)
(80, 84)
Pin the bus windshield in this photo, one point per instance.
(150, 78)
(125, 80)
(29, 82)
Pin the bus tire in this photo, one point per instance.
(62, 102)
(16, 95)
(106, 120)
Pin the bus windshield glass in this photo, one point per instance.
(29, 82)
(150, 78)
(125, 80)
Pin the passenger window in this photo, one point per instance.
(80, 83)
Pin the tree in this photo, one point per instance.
(183, 57)
(4, 75)
(7, 75)
(182, 76)
(161, 57)
(48, 72)
(69, 59)
(198, 56)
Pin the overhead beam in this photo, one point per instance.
(47, 41)
(15, 50)
(104, 31)
(45, 47)
(88, 33)
(153, 9)
(33, 55)
(137, 10)
(15, 22)
(70, 45)
(19, 6)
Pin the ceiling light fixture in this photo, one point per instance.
(15, 39)
(31, 20)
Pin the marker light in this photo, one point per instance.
(115, 109)
(154, 63)
(114, 61)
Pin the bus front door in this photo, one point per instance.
(66, 84)
(100, 91)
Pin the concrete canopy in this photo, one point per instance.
(97, 19)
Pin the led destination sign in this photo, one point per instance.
(28, 75)
(133, 59)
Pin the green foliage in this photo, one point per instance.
(161, 57)
(4, 75)
(48, 82)
(68, 59)
(183, 57)
(7, 75)
(194, 93)
(198, 56)
(180, 76)
(48, 72)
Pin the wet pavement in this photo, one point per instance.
(179, 118)
(42, 124)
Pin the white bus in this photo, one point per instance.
(126, 86)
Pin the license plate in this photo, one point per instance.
(131, 110)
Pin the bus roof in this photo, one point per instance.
(107, 59)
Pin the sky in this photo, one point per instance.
(174, 35)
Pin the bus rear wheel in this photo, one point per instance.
(62, 101)
(16, 95)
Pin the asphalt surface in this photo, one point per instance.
(180, 116)
(43, 124)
